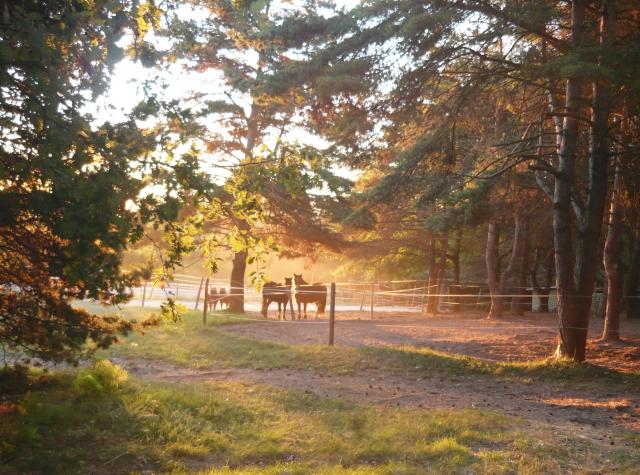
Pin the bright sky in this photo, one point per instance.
(126, 90)
(128, 79)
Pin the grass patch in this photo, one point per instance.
(429, 361)
(191, 344)
(57, 426)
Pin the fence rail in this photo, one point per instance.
(381, 296)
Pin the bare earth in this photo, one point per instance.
(595, 414)
(511, 339)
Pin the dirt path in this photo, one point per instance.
(599, 415)
(596, 415)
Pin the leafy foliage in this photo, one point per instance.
(71, 191)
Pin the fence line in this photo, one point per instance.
(352, 296)
(382, 296)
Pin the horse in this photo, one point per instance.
(224, 297)
(218, 296)
(274, 292)
(305, 293)
(213, 299)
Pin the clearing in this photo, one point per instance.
(500, 413)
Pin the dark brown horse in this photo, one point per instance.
(224, 297)
(305, 293)
(274, 292)
(218, 296)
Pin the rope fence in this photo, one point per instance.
(381, 296)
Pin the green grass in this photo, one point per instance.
(191, 344)
(97, 421)
(567, 372)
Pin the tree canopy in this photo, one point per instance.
(393, 132)
(71, 191)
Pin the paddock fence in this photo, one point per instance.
(394, 296)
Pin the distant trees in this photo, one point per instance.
(565, 68)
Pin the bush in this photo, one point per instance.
(102, 377)
(14, 379)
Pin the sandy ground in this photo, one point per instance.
(511, 339)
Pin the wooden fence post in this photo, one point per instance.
(332, 313)
(371, 301)
(478, 300)
(144, 293)
(205, 305)
(199, 292)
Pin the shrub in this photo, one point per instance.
(102, 377)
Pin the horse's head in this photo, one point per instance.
(297, 278)
(287, 281)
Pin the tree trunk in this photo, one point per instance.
(613, 264)
(498, 280)
(456, 257)
(431, 285)
(236, 301)
(523, 301)
(492, 259)
(632, 280)
(542, 291)
(575, 287)
(544, 301)
(442, 268)
(602, 310)
(570, 343)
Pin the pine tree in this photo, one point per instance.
(568, 60)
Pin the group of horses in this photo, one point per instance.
(304, 293)
(219, 296)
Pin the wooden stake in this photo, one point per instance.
(144, 293)
(332, 313)
(199, 291)
(205, 305)
(371, 301)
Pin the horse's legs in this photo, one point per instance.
(280, 314)
(299, 312)
(305, 310)
(265, 306)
